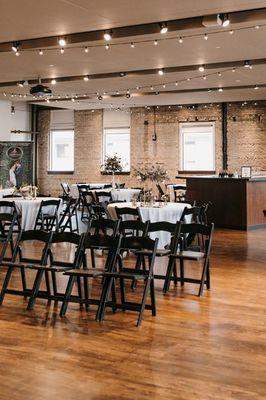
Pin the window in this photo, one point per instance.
(117, 141)
(62, 150)
(197, 146)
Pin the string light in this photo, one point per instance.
(206, 36)
(53, 81)
(151, 87)
(163, 28)
(86, 49)
(180, 39)
(62, 42)
(231, 32)
(160, 71)
(219, 74)
(108, 35)
(201, 68)
(164, 85)
(204, 77)
(40, 52)
(256, 87)
(62, 50)
(107, 46)
(86, 78)
(155, 42)
(220, 90)
(20, 84)
(132, 45)
(233, 70)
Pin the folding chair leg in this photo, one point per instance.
(106, 289)
(144, 299)
(86, 292)
(35, 289)
(208, 277)
(48, 286)
(5, 284)
(23, 281)
(68, 292)
(169, 273)
(54, 283)
(203, 277)
(182, 272)
(175, 274)
(92, 258)
(152, 291)
(79, 291)
(114, 296)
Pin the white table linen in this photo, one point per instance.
(6, 192)
(169, 213)
(28, 209)
(124, 194)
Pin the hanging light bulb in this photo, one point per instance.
(62, 42)
(201, 68)
(256, 87)
(205, 36)
(204, 77)
(220, 89)
(180, 39)
(151, 88)
(219, 74)
(53, 81)
(163, 28)
(86, 78)
(176, 83)
(160, 71)
(231, 32)
(108, 35)
(132, 45)
(223, 20)
(15, 46)
(107, 46)
(86, 49)
(62, 50)
(233, 69)
(155, 42)
(40, 52)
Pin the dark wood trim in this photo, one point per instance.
(60, 172)
(197, 172)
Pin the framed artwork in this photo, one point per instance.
(246, 172)
(16, 164)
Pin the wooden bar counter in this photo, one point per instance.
(238, 203)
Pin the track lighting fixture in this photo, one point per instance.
(108, 35)
(62, 42)
(247, 64)
(160, 71)
(163, 28)
(201, 68)
(223, 20)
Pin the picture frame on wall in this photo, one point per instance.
(246, 172)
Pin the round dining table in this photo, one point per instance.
(170, 212)
(28, 209)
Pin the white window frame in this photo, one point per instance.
(105, 132)
(50, 150)
(181, 141)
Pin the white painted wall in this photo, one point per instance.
(19, 121)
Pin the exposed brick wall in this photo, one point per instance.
(246, 141)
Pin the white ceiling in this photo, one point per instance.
(55, 17)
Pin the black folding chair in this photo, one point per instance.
(67, 216)
(110, 243)
(7, 223)
(66, 191)
(185, 253)
(126, 213)
(103, 197)
(145, 247)
(56, 266)
(9, 207)
(47, 217)
(24, 261)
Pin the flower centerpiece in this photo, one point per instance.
(154, 173)
(111, 165)
(27, 191)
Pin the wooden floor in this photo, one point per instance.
(209, 348)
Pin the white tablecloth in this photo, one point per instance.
(170, 213)
(74, 188)
(6, 192)
(124, 194)
(28, 209)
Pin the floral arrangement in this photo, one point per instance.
(154, 173)
(27, 191)
(112, 164)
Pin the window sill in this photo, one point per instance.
(196, 172)
(60, 172)
(116, 173)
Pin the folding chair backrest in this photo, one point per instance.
(138, 227)
(193, 230)
(37, 236)
(193, 212)
(103, 196)
(104, 242)
(124, 212)
(66, 238)
(66, 188)
(103, 226)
